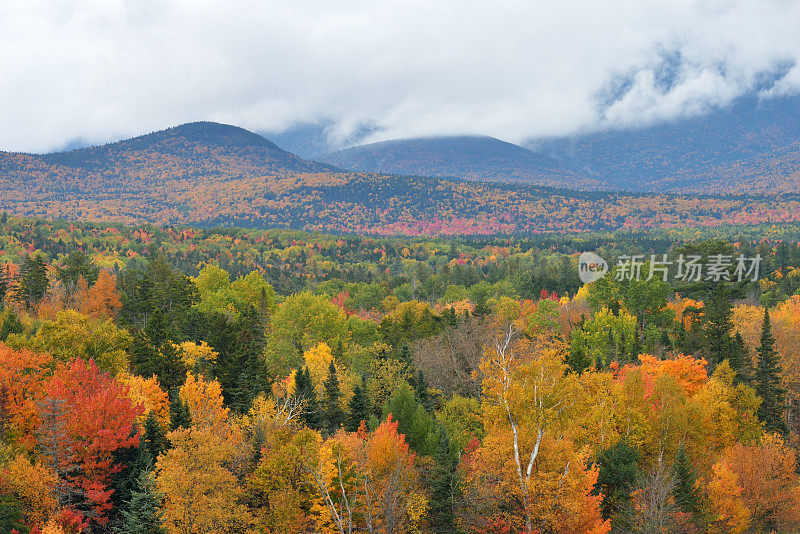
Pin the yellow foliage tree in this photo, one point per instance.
(726, 509)
(205, 404)
(147, 393)
(200, 494)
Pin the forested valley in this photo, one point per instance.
(183, 380)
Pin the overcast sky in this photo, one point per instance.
(101, 70)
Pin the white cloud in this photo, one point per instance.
(106, 69)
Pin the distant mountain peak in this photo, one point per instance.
(470, 157)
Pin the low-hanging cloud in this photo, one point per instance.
(105, 69)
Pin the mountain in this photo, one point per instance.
(751, 146)
(209, 174)
(194, 148)
(475, 158)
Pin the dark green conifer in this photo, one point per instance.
(333, 413)
(685, 478)
(768, 380)
(142, 514)
(358, 408)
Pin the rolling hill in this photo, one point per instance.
(211, 174)
(475, 158)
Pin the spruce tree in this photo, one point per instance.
(442, 484)
(142, 514)
(154, 439)
(618, 469)
(305, 390)
(685, 477)
(718, 325)
(33, 280)
(768, 380)
(180, 417)
(421, 389)
(739, 359)
(334, 416)
(358, 409)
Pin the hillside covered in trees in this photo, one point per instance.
(209, 174)
(185, 380)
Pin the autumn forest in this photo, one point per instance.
(182, 380)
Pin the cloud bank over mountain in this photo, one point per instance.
(102, 70)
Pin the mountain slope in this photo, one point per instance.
(475, 158)
(209, 174)
(752, 146)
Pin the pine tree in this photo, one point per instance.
(718, 325)
(305, 390)
(3, 286)
(143, 514)
(134, 461)
(33, 281)
(421, 389)
(180, 417)
(358, 409)
(618, 470)
(685, 477)
(154, 439)
(739, 359)
(170, 369)
(768, 380)
(334, 416)
(443, 487)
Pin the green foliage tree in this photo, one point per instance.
(33, 282)
(332, 410)
(76, 265)
(768, 380)
(179, 414)
(419, 427)
(305, 390)
(618, 470)
(685, 492)
(142, 513)
(358, 408)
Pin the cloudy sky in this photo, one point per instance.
(100, 70)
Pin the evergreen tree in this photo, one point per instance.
(358, 408)
(33, 281)
(739, 359)
(305, 390)
(618, 469)
(180, 417)
(443, 485)
(418, 426)
(334, 416)
(405, 356)
(170, 369)
(134, 461)
(718, 325)
(11, 325)
(421, 390)
(154, 440)
(685, 477)
(142, 514)
(78, 264)
(768, 380)
(4, 282)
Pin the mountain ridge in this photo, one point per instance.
(469, 157)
